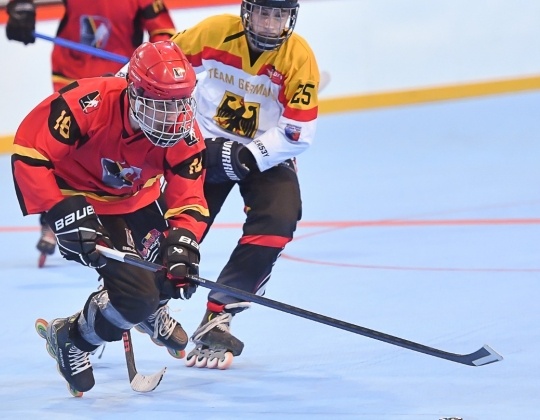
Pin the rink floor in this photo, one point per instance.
(422, 222)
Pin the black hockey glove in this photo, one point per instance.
(21, 21)
(227, 160)
(180, 253)
(78, 230)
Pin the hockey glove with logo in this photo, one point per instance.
(180, 253)
(78, 230)
(21, 21)
(227, 160)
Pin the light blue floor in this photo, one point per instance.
(421, 222)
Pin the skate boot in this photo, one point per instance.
(165, 331)
(215, 346)
(46, 244)
(72, 363)
(99, 351)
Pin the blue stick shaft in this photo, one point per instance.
(84, 48)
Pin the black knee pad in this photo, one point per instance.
(132, 291)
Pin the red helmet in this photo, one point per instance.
(162, 71)
(161, 82)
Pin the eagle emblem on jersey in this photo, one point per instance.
(90, 102)
(237, 116)
(95, 31)
(117, 175)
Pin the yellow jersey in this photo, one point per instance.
(267, 101)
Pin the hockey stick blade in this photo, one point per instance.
(483, 356)
(139, 382)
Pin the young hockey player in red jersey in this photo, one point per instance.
(257, 109)
(117, 27)
(91, 156)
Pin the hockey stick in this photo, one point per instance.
(324, 81)
(139, 382)
(324, 75)
(483, 356)
(84, 48)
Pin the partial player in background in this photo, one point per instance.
(99, 148)
(115, 26)
(257, 109)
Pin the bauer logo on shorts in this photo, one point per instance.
(292, 132)
(90, 102)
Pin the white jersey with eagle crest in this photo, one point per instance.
(271, 105)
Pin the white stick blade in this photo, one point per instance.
(492, 357)
(113, 254)
(142, 383)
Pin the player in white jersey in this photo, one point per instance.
(257, 109)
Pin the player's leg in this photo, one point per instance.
(147, 226)
(273, 208)
(129, 296)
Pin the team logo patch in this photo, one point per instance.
(150, 243)
(275, 76)
(179, 72)
(95, 31)
(292, 132)
(119, 174)
(191, 140)
(90, 102)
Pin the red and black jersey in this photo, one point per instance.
(114, 26)
(80, 141)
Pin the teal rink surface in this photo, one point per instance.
(422, 222)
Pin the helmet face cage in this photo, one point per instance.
(160, 87)
(268, 27)
(164, 122)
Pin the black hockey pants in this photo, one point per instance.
(132, 293)
(273, 207)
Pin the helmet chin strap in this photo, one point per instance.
(132, 120)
